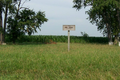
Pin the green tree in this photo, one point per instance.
(23, 20)
(103, 13)
(1, 14)
(102, 16)
(1, 9)
(84, 34)
(5, 6)
(105, 18)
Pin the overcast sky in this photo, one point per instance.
(59, 13)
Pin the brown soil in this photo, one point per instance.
(50, 42)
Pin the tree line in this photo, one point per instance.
(105, 14)
(19, 20)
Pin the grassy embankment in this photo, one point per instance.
(53, 62)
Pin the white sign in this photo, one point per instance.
(69, 27)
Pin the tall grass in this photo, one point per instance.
(53, 62)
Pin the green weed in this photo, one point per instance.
(54, 62)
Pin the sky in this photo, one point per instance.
(59, 13)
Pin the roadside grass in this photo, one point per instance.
(54, 62)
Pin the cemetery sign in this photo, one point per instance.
(69, 28)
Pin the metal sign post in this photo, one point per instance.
(68, 27)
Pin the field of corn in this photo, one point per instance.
(73, 39)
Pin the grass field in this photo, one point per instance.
(54, 62)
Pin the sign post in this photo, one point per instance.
(69, 27)
(68, 40)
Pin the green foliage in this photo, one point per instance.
(84, 34)
(64, 39)
(29, 21)
(104, 13)
(23, 20)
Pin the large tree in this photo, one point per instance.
(102, 16)
(8, 5)
(18, 19)
(23, 20)
(5, 6)
(0, 14)
(103, 13)
(1, 6)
